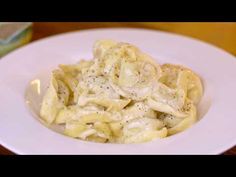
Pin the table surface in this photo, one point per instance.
(220, 34)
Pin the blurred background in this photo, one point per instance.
(220, 34)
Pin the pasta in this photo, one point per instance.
(121, 96)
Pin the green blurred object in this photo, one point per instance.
(14, 35)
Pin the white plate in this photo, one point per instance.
(214, 133)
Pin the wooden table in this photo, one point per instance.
(220, 34)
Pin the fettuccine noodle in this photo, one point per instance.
(121, 96)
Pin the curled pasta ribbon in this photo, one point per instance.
(175, 76)
(74, 113)
(167, 100)
(138, 109)
(109, 103)
(130, 73)
(188, 121)
(91, 124)
(75, 69)
(146, 136)
(56, 98)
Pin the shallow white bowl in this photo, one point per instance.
(214, 133)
